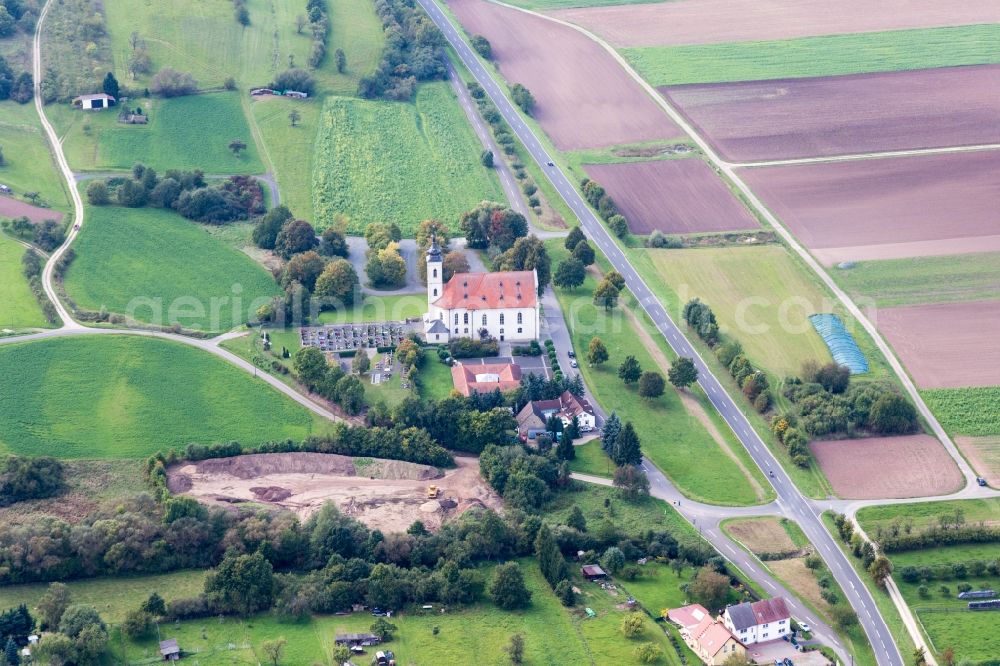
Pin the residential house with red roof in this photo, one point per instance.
(760, 621)
(711, 640)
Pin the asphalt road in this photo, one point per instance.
(789, 498)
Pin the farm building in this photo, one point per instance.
(169, 650)
(356, 640)
(94, 102)
(760, 621)
(593, 572)
(533, 416)
(485, 377)
(503, 306)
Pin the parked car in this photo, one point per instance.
(805, 627)
(981, 481)
(788, 662)
(571, 353)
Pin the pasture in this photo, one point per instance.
(28, 165)
(112, 396)
(378, 161)
(771, 120)
(18, 307)
(679, 196)
(759, 295)
(157, 267)
(290, 149)
(915, 280)
(829, 55)
(191, 132)
(966, 411)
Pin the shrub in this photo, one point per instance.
(168, 82)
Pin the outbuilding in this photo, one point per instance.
(593, 572)
(169, 650)
(94, 102)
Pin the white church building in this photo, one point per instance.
(503, 306)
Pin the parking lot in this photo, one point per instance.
(765, 654)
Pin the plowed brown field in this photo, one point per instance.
(679, 196)
(888, 467)
(583, 97)
(12, 208)
(946, 345)
(887, 208)
(836, 115)
(717, 21)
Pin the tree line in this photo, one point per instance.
(16, 86)
(413, 52)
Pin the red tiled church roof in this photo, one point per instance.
(489, 291)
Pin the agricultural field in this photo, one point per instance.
(886, 208)
(966, 411)
(831, 55)
(18, 307)
(983, 454)
(28, 165)
(927, 514)
(916, 280)
(771, 120)
(191, 132)
(114, 396)
(377, 161)
(675, 437)
(157, 267)
(946, 345)
(759, 295)
(885, 467)
(679, 196)
(583, 97)
(697, 22)
(762, 535)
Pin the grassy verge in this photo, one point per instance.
(828, 55)
(28, 164)
(18, 307)
(128, 397)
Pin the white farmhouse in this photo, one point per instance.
(757, 622)
(503, 306)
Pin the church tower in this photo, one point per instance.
(435, 272)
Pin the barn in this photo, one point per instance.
(94, 102)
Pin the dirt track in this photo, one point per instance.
(717, 21)
(771, 120)
(679, 196)
(384, 494)
(887, 467)
(583, 97)
(863, 209)
(946, 345)
(14, 208)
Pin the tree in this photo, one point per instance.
(631, 481)
(310, 365)
(709, 588)
(550, 559)
(333, 243)
(155, 605)
(648, 653)
(565, 450)
(651, 384)
(487, 159)
(576, 519)
(613, 560)
(574, 238)
(382, 628)
(609, 434)
(528, 254)
(7, 23)
(507, 589)
(305, 268)
(597, 353)
(570, 274)
(274, 649)
(341, 60)
(880, 569)
(631, 626)
(606, 295)
(630, 370)
(295, 79)
(11, 656)
(236, 145)
(522, 97)
(683, 372)
(482, 46)
(515, 649)
(341, 654)
(295, 236)
(391, 271)
(627, 450)
(585, 253)
(892, 414)
(77, 618)
(110, 85)
(266, 232)
(919, 657)
(294, 117)
(242, 584)
(350, 394)
(3, 161)
(137, 623)
(360, 363)
(454, 262)
(171, 83)
(564, 590)
(53, 604)
(97, 193)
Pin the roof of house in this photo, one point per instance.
(712, 636)
(592, 570)
(354, 638)
(567, 405)
(575, 406)
(169, 646)
(770, 610)
(436, 326)
(94, 96)
(485, 377)
(687, 616)
(742, 616)
(530, 417)
(489, 291)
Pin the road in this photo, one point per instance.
(793, 503)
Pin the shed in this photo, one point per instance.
(593, 572)
(356, 640)
(169, 650)
(93, 102)
(4, 189)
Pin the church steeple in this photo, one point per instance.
(435, 272)
(434, 251)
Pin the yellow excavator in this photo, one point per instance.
(433, 492)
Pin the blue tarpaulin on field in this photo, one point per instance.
(842, 345)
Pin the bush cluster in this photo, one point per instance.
(414, 51)
(605, 205)
(951, 571)
(29, 478)
(319, 24)
(48, 234)
(469, 348)
(31, 267)
(846, 408)
(18, 87)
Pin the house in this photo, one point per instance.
(687, 617)
(502, 306)
(593, 572)
(760, 621)
(714, 643)
(94, 102)
(472, 378)
(533, 416)
(169, 650)
(356, 640)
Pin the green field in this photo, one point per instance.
(759, 295)
(398, 162)
(290, 149)
(18, 307)
(966, 411)
(829, 55)
(28, 165)
(895, 282)
(191, 132)
(672, 438)
(435, 379)
(128, 397)
(591, 459)
(379, 308)
(924, 514)
(160, 268)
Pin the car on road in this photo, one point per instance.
(571, 353)
(550, 164)
(574, 364)
(981, 481)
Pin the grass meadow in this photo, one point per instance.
(435, 379)
(290, 149)
(675, 440)
(912, 281)
(966, 411)
(926, 514)
(18, 307)
(28, 165)
(191, 132)
(591, 459)
(829, 55)
(398, 162)
(146, 253)
(128, 397)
